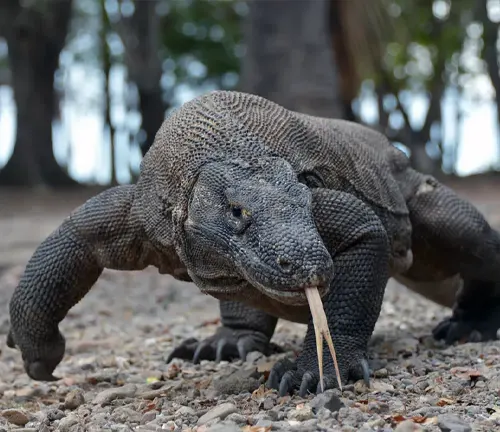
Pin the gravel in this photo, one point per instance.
(114, 376)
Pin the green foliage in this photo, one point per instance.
(202, 41)
(427, 41)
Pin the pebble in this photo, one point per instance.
(74, 399)
(452, 423)
(67, 423)
(185, 411)
(328, 400)
(149, 416)
(109, 395)
(220, 411)
(264, 423)
(408, 426)
(16, 416)
(224, 427)
(301, 414)
(55, 414)
(237, 418)
(240, 381)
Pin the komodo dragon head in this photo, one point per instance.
(251, 222)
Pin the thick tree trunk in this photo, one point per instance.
(35, 38)
(140, 34)
(152, 109)
(290, 58)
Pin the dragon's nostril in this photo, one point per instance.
(285, 264)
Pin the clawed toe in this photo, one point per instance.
(226, 344)
(287, 378)
(453, 329)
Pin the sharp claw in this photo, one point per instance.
(286, 384)
(10, 340)
(439, 332)
(454, 333)
(220, 349)
(184, 351)
(366, 372)
(201, 349)
(39, 371)
(307, 384)
(244, 346)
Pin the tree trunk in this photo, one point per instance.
(290, 58)
(35, 39)
(140, 34)
(152, 109)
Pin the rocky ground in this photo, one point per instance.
(114, 374)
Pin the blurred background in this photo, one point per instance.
(85, 84)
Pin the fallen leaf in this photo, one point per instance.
(444, 401)
(203, 384)
(149, 407)
(150, 380)
(419, 419)
(261, 392)
(172, 371)
(398, 418)
(431, 420)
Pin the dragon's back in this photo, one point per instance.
(225, 124)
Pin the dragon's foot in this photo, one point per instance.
(475, 317)
(303, 375)
(40, 360)
(469, 326)
(225, 344)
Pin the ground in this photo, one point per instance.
(114, 374)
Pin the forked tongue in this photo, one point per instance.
(322, 331)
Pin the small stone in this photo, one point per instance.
(237, 418)
(55, 414)
(381, 386)
(169, 426)
(452, 423)
(224, 427)
(185, 411)
(240, 381)
(268, 404)
(264, 423)
(406, 346)
(67, 423)
(220, 411)
(408, 426)
(149, 416)
(381, 373)
(328, 400)
(15, 416)
(301, 414)
(109, 395)
(254, 357)
(74, 399)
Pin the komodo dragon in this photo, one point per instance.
(255, 203)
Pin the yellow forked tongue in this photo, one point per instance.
(321, 330)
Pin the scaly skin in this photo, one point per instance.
(253, 203)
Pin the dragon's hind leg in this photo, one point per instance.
(450, 238)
